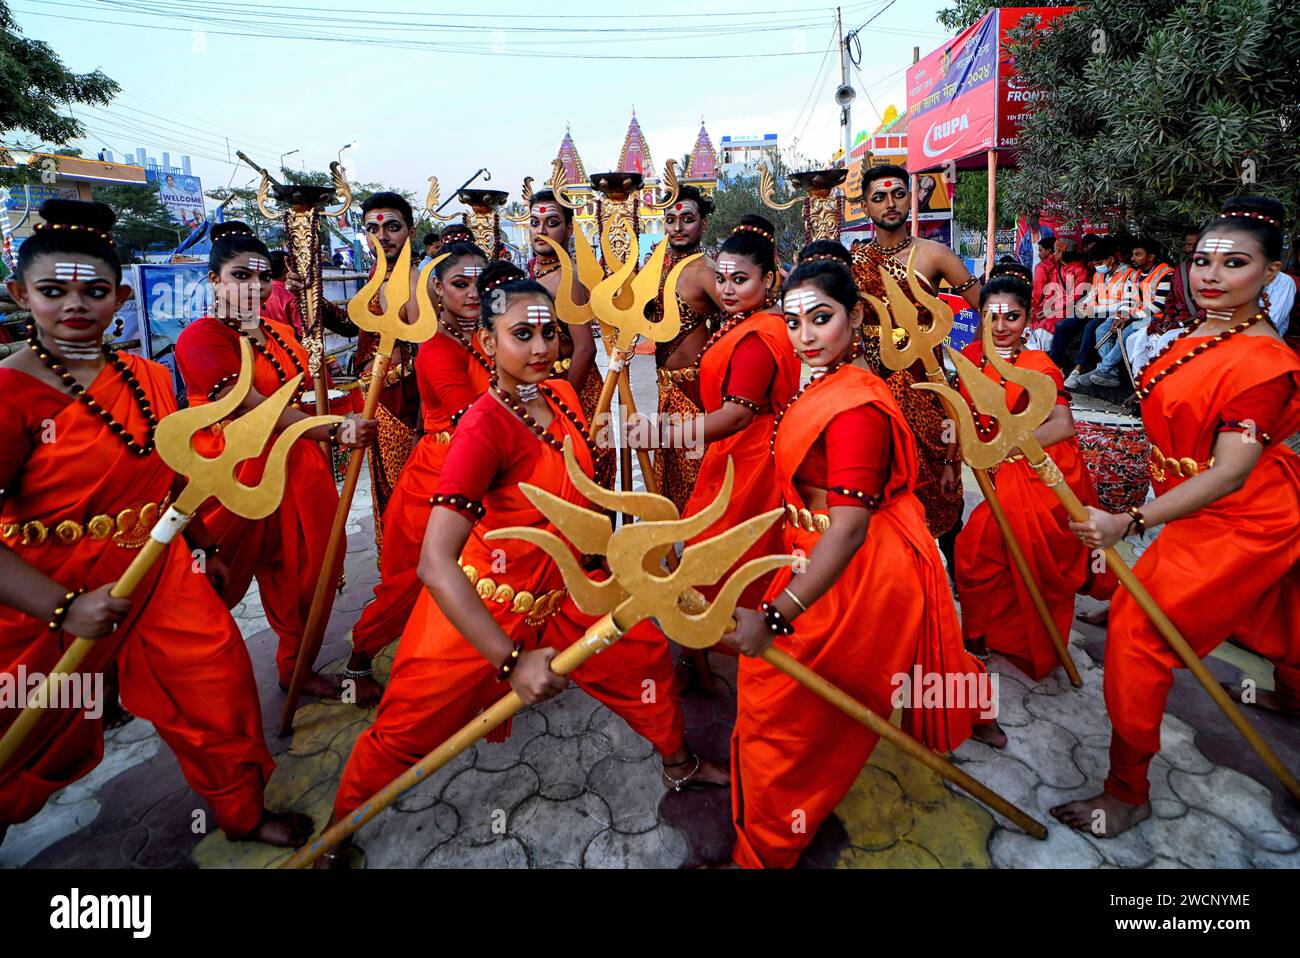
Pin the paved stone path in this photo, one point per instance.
(574, 787)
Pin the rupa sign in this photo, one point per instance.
(965, 98)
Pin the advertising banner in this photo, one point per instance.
(181, 195)
(952, 98)
(167, 299)
(1015, 97)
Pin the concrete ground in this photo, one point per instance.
(574, 787)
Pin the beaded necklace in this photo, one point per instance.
(83, 395)
(725, 328)
(466, 342)
(891, 250)
(1144, 391)
(830, 371)
(527, 418)
(539, 273)
(270, 357)
(986, 426)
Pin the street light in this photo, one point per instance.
(283, 155)
(345, 146)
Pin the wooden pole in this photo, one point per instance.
(915, 212)
(993, 212)
(322, 601)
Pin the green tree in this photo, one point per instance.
(142, 221)
(36, 84)
(971, 202)
(736, 196)
(1158, 110)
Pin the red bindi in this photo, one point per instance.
(379, 217)
(680, 207)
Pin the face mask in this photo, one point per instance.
(1103, 268)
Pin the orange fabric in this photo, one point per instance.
(181, 662)
(994, 601)
(888, 613)
(754, 490)
(1229, 570)
(285, 550)
(439, 681)
(447, 374)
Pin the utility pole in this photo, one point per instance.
(845, 94)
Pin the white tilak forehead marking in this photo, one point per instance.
(537, 315)
(887, 184)
(1217, 245)
(999, 308)
(727, 266)
(472, 270)
(799, 301)
(257, 263)
(72, 272)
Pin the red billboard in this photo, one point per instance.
(965, 98)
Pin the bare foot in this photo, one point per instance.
(283, 829)
(686, 770)
(990, 733)
(1262, 698)
(1104, 815)
(364, 690)
(1100, 617)
(319, 686)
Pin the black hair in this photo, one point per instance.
(874, 173)
(1048, 242)
(830, 276)
(429, 238)
(385, 200)
(753, 239)
(548, 196)
(1012, 268)
(1148, 244)
(1007, 284)
(230, 239)
(499, 283)
(453, 254)
(692, 194)
(825, 249)
(1259, 216)
(1072, 255)
(279, 263)
(449, 233)
(72, 226)
(1006, 259)
(1103, 247)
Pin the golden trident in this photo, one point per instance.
(819, 186)
(389, 327)
(637, 589)
(303, 207)
(630, 595)
(1016, 430)
(214, 478)
(920, 343)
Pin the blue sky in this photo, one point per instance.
(425, 101)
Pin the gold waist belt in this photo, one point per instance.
(806, 519)
(1163, 466)
(669, 376)
(535, 608)
(129, 529)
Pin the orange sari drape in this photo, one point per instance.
(439, 681)
(754, 490)
(994, 601)
(182, 664)
(408, 509)
(1229, 570)
(888, 614)
(285, 550)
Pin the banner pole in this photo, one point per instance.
(993, 212)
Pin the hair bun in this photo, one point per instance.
(497, 273)
(230, 228)
(95, 218)
(753, 223)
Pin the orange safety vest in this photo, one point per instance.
(1147, 289)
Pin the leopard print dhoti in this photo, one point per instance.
(676, 470)
(387, 456)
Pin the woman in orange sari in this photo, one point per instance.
(1217, 403)
(495, 613)
(285, 550)
(452, 371)
(80, 490)
(746, 372)
(869, 609)
(997, 612)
